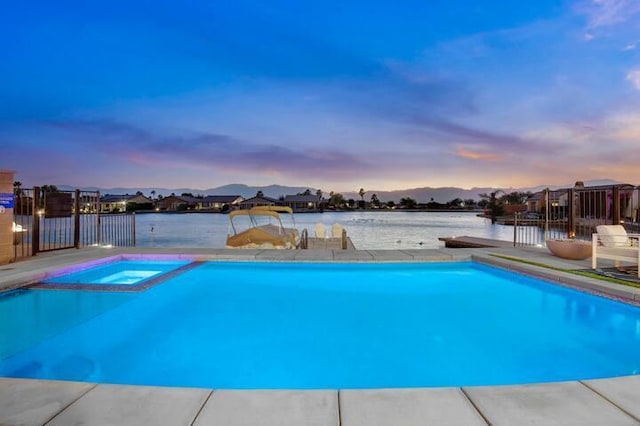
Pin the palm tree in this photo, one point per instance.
(17, 188)
(361, 202)
(153, 194)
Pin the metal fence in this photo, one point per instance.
(575, 213)
(48, 220)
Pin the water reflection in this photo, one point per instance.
(367, 230)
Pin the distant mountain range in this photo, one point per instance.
(421, 195)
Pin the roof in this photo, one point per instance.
(112, 198)
(188, 200)
(301, 198)
(260, 199)
(220, 198)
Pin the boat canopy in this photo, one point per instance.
(253, 212)
(279, 209)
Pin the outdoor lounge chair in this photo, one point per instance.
(336, 230)
(321, 231)
(612, 242)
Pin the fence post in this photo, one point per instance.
(615, 206)
(98, 225)
(35, 219)
(546, 214)
(133, 227)
(515, 228)
(76, 220)
(571, 213)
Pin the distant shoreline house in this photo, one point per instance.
(302, 203)
(111, 203)
(219, 202)
(257, 201)
(174, 203)
(594, 203)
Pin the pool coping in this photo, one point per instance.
(600, 401)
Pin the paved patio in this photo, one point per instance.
(613, 401)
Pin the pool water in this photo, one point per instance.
(123, 272)
(312, 326)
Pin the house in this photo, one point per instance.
(112, 203)
(218, 202)
(593, 204)
(174, 203)
(302, 203)
(257, 201)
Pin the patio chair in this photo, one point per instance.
(614, 243)
(336, 230)
(321, 231)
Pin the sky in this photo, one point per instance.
(329, 94)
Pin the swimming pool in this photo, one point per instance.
(312, 326)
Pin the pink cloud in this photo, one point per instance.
(482, 156)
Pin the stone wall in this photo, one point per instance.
(6, 216)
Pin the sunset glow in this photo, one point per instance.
(329, 95)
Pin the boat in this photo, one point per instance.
(264, 230)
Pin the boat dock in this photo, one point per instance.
(474, 242)
(315, 243)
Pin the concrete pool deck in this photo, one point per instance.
(614, 401)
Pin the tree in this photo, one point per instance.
(516, 197)
(259, 194)
(336, 200)
(408, 203)
(49, 188)
(374, 200)
(391, 204)
(361, 193)
(17, 188)
(361, 203)
(319, 193)
(494, 205)
(455, 203)
(187, 194)
(307, 192)
(153, 194)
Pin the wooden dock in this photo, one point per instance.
(473, 242)
(328, 243)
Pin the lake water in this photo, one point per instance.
(367, 229)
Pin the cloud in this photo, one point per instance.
(634, 78)
(125, 142)
(603, 13)
(612, 138)
(483, 156)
